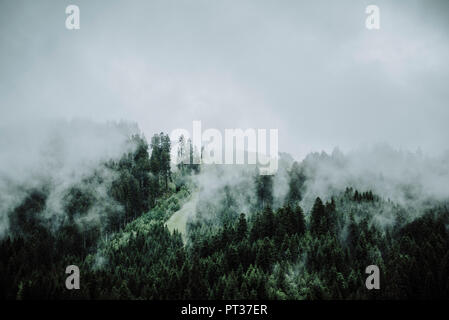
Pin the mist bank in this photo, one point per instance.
(408, 179)
(52, 156)
(65, 160)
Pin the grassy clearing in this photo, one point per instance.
(178, 220)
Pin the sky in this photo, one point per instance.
(307, 68)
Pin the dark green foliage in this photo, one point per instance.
(318, 218)
(160, 158)
(296, 184)
(266, 254)
(264, 190)
(25, 218)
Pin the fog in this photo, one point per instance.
(409, 179)
(308, 68)
(58, 154)
(412, 180)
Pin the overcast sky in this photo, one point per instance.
(308, 68)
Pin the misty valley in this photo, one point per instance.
(139, 227)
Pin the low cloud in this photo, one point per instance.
(58, 154)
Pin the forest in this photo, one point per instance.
(249, 236)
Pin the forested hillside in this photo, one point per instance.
(247, 237)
